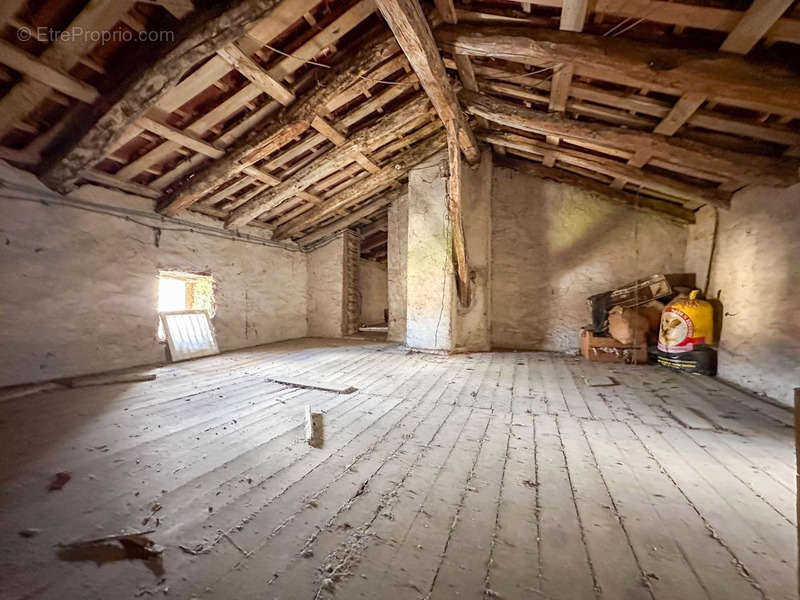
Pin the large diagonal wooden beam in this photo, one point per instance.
(390, 127)
(723, 78)
(407, 21)
(291, 122)
(454, 204)
(734, 165)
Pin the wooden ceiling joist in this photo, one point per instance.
(723, 78)
(289, 124)
(674, 151)
(354, 217)
(364, 141)
(407, 21)
(162, 79)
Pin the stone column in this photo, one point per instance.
(435, 318)
(397, 255)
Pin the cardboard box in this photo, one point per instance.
(608, 350)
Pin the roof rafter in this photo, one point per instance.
(407, 21)
(746, 167)
(289, 124)
(723, 78)
(201, 36)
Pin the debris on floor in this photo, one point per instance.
(608, 350)
(599, 381)
(310, 384)
(60, 479)
(29, 532)
(20, 391)
(314, 428)
(112, 548)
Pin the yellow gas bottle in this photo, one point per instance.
(686, 323)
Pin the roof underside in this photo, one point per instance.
(304, 117)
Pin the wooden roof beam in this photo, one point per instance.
(290, 123)
(354, 217)
(366, 187)
(726, 163)
(723, 78)
(407, 21)
(365, 141)
(613, 169)
(203, 33)
(754, 25)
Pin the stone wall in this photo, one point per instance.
(373, 286)
(326, 289)
(755, 275)
(79, 288)
(429, 267)
(554, 245)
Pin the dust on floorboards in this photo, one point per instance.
(497, 475)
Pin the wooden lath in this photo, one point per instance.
(272, 149)
(268, 81)
(250, 25)
(679, 154)
(365, 141)
(377, 205)
(649, 145)
(724, 79)
(48, 75)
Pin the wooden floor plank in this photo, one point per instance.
(616, 567)
(514, 566)
(566, 570)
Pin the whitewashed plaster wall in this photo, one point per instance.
(326, 289)
(79, 289)
(755, 275)
(373, 287)
(553, 245)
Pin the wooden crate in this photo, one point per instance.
(606, 349)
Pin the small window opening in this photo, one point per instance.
(184, 291)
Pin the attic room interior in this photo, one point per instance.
(476, 299)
